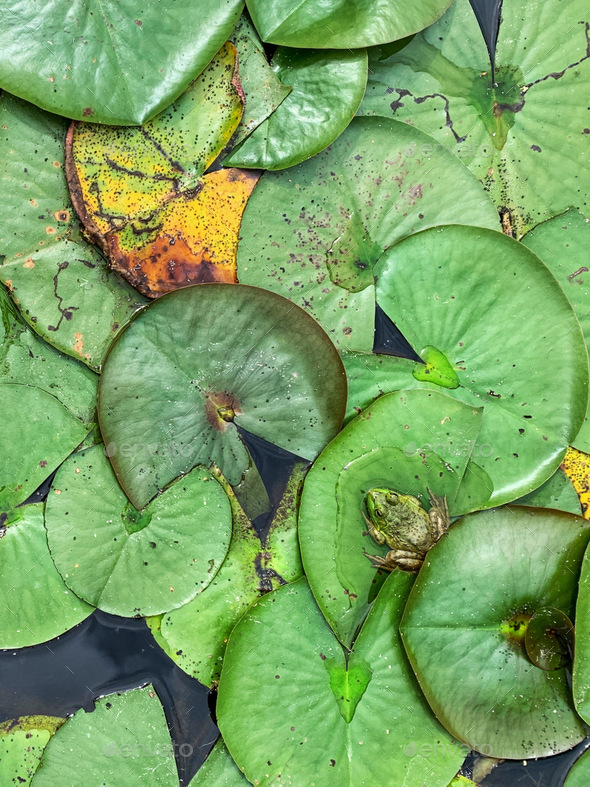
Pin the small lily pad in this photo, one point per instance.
(327, 88)
(134, 562)
(326, 715)
(579, 775)
(36, 604)
(179, 389)
(549, 639)
(195, 635)
(465, 624)
(408, 442)
(22, 742)
(126, 737)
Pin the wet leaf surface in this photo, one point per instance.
(562, 244)
(195, 635)
(319, 243)
(408, 442)
(326, 90)
(133, 562)
(176, 387)
(60, 282)
(126, 734)
(465, 623)
(142, 193)
(504, 340)
(549, 639)
(502, 124)
(22, 742)
(109, 62)
(335, 24)
(36, 604)
(579, 775)
(367, 720)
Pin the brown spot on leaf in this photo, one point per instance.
(62, 215)
(78, 343)
(50, 230)
(87, 111)
(29, 263)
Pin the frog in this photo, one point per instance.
(401, 522)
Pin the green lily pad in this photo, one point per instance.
(109, 62)
(558, 492)
(581, 672)
(465, 623)
(262, 88)
(26, 360)
(179, 389)
(36, 604)
(335, 24)
(129, 562)
(124, 741)
(503, 340)
(37, 435)
(497, 122)
(325, 715)
(408, 441)
(579, 775)
(195, 635)
(562, 244)
(318, 243)
(22, 742)
(327, 88)
(60, 283)
(219, 770)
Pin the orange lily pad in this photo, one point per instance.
(143, 195)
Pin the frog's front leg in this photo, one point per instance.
(439, 514)
(397, 558)
(375, 534)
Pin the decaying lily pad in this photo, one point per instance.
(60, 283)
(500, 121)
(465, 623)
(109, 62)
(125, 736)
(22, 742)
(134, 562)
(142, 193)
(36, 605)
(316, 233)
(408, 441)
(324, 714)
(195, 635)
(180, 388)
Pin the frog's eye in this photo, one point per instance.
(391, 497)
(380, 511)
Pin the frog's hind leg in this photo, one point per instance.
(439, 513)
(396, 558)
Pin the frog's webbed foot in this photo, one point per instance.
(439, 513)
(396, 558)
